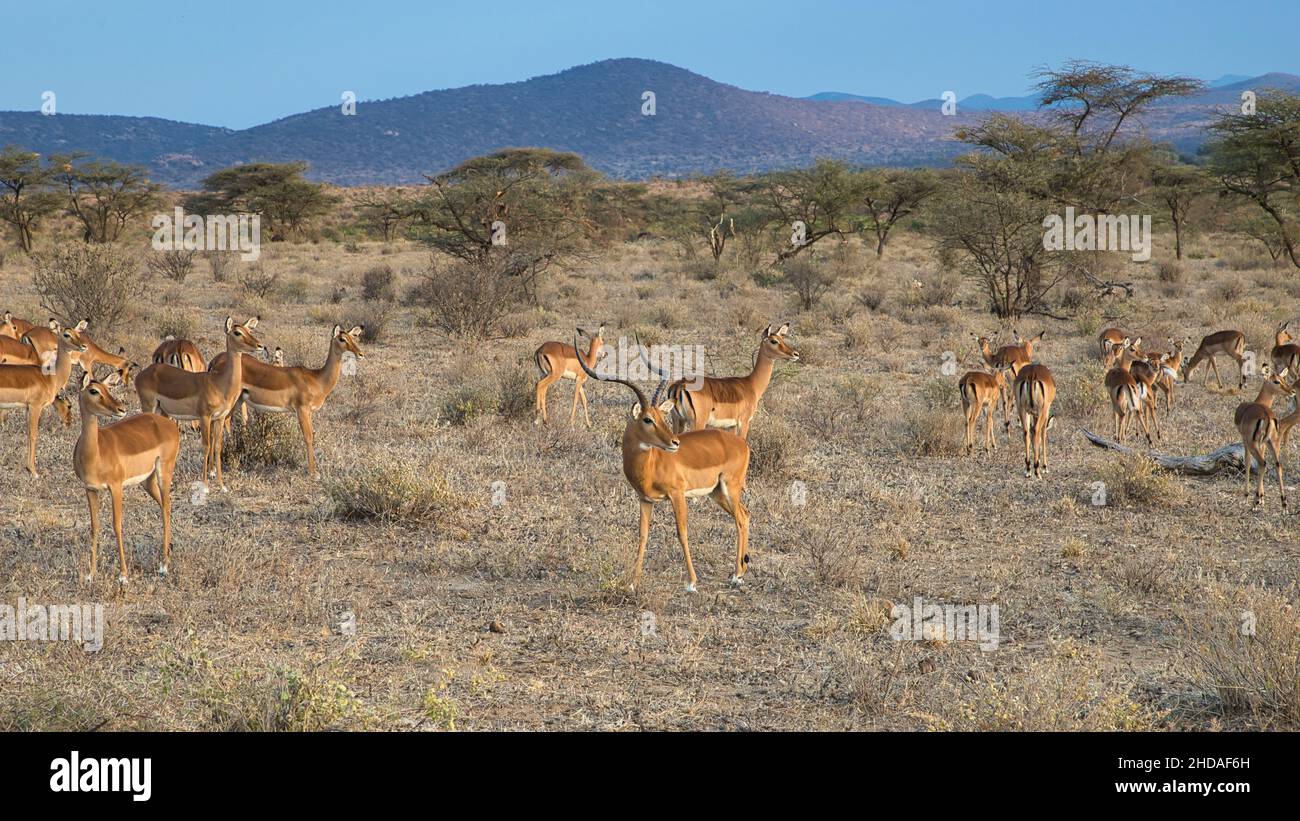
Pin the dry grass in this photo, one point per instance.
(442, 509)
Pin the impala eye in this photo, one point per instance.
(771, 341)
(94, 392)
(648, 420)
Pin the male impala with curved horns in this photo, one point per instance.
(558, 361)
(297, 390)
(662, 465)
(133, 451)
(208, 397)
(730, 401)
(31, 387)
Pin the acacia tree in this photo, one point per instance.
(103, 196)
(521, 209)
(25, 195)
(1255, 158)
(1179, 187)
(383, 210)
(277, 193)
(891, 195)
(810, 204)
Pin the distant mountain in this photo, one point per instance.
(595, 110)
(1228, 79)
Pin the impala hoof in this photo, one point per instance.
(737, 581)
(89, 578)
(690, 587)
(162, 570)
(123, 580)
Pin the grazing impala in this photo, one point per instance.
(558, 361)
(980, 392)
(1285, 355)
(297, 390)
(1035, 393)
(1258, 425)
(660, 464)
(1128, 397)
(1110, 342)
(730, 401)
(138, 450)
(1229, 343)
(207, 397)
(30, 387)
(122, 367)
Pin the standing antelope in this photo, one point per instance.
(1170, 369)
(1285, 355)
(13, 326)
(141, 449)
(1109, 342)
(730, 401)
(297, 390)
(207, 397)
(1007, 358)
(660, 464)
(1145, 372)
(558, 361)
(1035, 393)
(30, 387)
(1257, 424)
(1229, 343)
(1128, 397)
(980, 392)
(46, 339)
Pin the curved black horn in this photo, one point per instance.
(664, 378)
(640, 394)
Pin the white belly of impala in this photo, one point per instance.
(569, 375)
(723, 423)
(699, 491)
(267, 408)
(11, 405)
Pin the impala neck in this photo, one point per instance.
(88, 441)
(590, 356)
(231, 375)
(62, 364)
(1265, 398)
(638, 463)
(761, 376)
(329, 372)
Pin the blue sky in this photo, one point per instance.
(237, 64)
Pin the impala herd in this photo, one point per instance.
(687, 440)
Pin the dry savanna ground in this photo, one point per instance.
(489, 595)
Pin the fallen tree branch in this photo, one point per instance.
(1229, 457)
(1108, 288)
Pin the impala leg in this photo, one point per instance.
(1248, 458)
(1214, 364)
(582, 392)
(544, 387)
(646, 509)
(738, 511)
(162, 495)
(1241, 366)
(1142, 420)
(33, 428)
(309, 438)
(990, 444)
(969, 440)
(205, 431)
(115, 493)
(92, 500)
(1026, 428)
(679, 513)
(1277, 458)
(1042, 442)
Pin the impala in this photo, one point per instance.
(207, 397)
(1229, 343)
(1145, 372)
(1007, 358)
(1035, 393)
(1170, 365)
(13, 352)
(1257, 424)
(1285, 355)
(138, 450)
(1127, 396)
(46, 339)
(1109, 341)
(30, 387)
(730, 401)
(980, 392)
(180, 353)
(122, 367)
(297, 390)
(558, 361)
(13, 326)
(660, 464)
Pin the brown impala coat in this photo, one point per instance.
(138, 450)
(208, 397)
(297, 390)
(30, 387)
(730, 401)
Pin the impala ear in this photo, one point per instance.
(783, 330)
(83, 325)
(230, 324)
(635, 410)
(86, 379)
(252, 323)
(169, 337)
(767, 331)
(53, 325)
(357, 331)
(113, 379)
